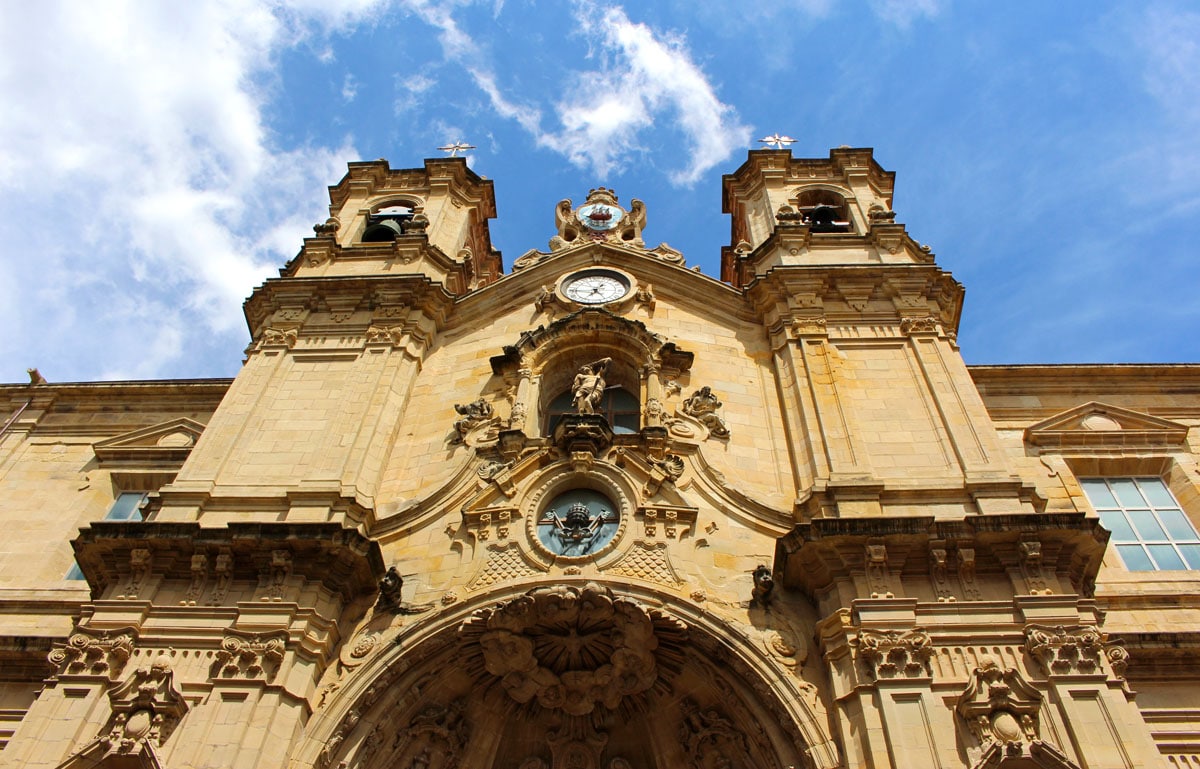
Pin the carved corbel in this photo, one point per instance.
(199, 579)
(1030, 552)
(879, 576)
(222, 577)
(966, 573)
(140, 560)
(275, 575)
(939, 572)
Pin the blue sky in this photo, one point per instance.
(159, 160)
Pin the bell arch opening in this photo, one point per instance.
(578, 674)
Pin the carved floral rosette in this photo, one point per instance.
(571, 648)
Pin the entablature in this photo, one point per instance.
(912, 298)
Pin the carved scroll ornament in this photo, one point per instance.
(1065, 650)
(895, 654)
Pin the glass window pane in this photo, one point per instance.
(1114, 521)
(1191, 554)
(1146, 525)
(1166, 557)
(125, 508)
(1126, 491)
(1135, 558)
(1156, 491)
(1098, 493)
(1178, 526)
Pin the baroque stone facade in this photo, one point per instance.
(605, 512)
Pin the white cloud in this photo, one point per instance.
(140, 182)
(649, 74)
(903, 13)
(349, 88)
(645, 80)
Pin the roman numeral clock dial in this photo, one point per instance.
(595, 286)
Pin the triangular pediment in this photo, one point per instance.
(169, 442)
(1097, 424)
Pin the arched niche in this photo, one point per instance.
(387, 219)
(517, 679)
(543, 363)
(825, 209)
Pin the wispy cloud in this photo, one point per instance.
(903, 13)
(644, 80)
(138, 175)
(644, 77)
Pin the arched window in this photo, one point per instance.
(619, 406)
(387, 222)
(824, 211)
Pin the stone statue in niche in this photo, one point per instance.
(702, 405)
(588, 387)
(473, 415)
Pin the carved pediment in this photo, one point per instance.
(166, 442)
(1101, 425)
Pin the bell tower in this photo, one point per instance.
(430, 220)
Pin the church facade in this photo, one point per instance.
(604, 511)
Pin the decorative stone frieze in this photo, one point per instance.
(250, 655)
(94, 652)
(895, 654)
(571, 648)
(1062, 650)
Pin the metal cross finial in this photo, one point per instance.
(777, 141)
(456, 147)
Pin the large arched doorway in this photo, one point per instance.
(572, 675)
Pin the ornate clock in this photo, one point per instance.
(596, 286)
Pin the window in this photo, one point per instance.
(619, 407)
(126, 507)
(1149, 529)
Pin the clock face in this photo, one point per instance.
(599, 216)
(596, 287)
